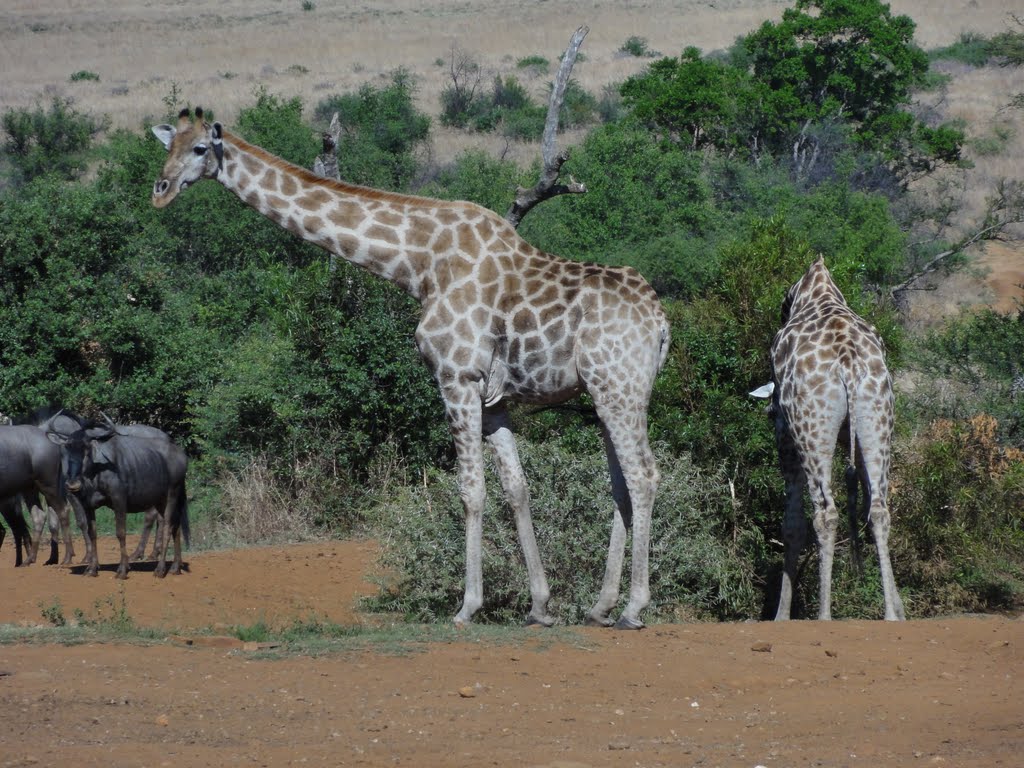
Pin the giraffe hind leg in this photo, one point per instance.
(600, 614)
(633, 468)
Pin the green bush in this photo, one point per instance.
(538, 65)
(39, 142)
(637, 46)
(958, 542)
(383, 134)
(971, 48)
(699, 566)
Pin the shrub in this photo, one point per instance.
(957, 542)
(971, 48)
(698, 563)
(383, 134)
(536, 65)
(54, 141)
(637, 46)
(83, 74)
(578, 106)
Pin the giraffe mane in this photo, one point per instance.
(341, 186)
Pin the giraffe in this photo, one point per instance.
(500, 322)
(828, 376)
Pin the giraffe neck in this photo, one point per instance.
(812, 293)
(379, 231)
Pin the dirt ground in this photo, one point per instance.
(930, 693)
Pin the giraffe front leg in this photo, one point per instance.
(465, 419)
(498, 433)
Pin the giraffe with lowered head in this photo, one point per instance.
(829, 376)
(501, 321)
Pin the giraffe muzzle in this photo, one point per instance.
(161, 193)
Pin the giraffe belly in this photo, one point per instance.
(551, 384)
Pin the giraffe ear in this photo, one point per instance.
(165, 133)
(764, 391)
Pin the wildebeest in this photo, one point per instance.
(152, 516)
(30, 465)
(128, 474)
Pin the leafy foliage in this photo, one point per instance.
(382, 133)
(827, 64)
(697, 559)
(55, 141)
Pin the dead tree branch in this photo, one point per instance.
(326, 163)
(1006, 207)
(548, 186)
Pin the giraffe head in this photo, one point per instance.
(195, 151)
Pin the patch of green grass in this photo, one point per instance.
(53, 613)
(971, 48)
(537, 64)
(637, 46)
(310, 636)
(84, 74)
(993, 143)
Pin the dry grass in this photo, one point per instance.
(257, 511)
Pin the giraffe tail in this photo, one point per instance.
(664, 341)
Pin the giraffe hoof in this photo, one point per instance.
(626, 623)
(597, 621)
(543, 621)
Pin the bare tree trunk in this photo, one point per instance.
(548, 186)
(326, 164)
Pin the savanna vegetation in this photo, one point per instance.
(297, 390)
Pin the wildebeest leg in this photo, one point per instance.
(161, 536)
(41, 516)
(82, 519)
(92, 567)
(10, 509)
(178, 521)
(140, 551)
(64, 523)
(120, 516)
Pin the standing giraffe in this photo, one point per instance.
(829, 375)
(500, 321)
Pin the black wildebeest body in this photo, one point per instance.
(31, 465)
(127, 474)
(53, 418)
(170, 451)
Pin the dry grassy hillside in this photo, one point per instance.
(216, 54)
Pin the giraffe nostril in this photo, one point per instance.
(162, 186)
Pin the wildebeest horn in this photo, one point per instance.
(48, 424)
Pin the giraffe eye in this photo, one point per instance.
(200, 149)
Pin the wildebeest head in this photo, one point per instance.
(82, 453)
